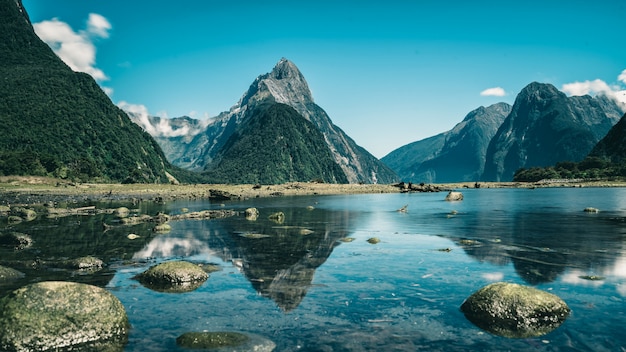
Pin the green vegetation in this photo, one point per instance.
(590, 168)
(59, 123)
(275, 145)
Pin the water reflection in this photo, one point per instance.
(280, 260)
(541, 246)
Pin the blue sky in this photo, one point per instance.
(387, 72)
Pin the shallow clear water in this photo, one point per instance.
(312, 291)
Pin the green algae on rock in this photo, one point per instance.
(515, 311)
(175, 277)
(55, 315)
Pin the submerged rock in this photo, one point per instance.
(591, 210)
(9, 273)
(57, 315)
(516, 311)
(87, 262)
(373, 240)
(225, 341)
(16, 240)
(175, 277)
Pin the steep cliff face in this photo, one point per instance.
(58, 122)
(546, 127)
(285, 84)
(453, 156)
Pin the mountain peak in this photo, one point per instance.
(285, 85)
(540, 91)
(285, 69)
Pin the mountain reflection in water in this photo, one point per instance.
(402, 293)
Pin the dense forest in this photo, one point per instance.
(56, 122)
(275, 145)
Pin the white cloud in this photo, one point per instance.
(161, 127)
(598, 86)
(76, 49)
(622, 77)
(97, 25)
(493, 92)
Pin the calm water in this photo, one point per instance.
(306, 289)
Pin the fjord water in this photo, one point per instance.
(304, 285)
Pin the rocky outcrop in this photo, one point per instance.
(513, 310)
(545, 127)
(177, 276)
(56, 315)
(453, 156)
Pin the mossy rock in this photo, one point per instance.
(56, 315)
(24, 213)
(10, 273)
(87, 262)
(225, 341)
(162, 228)
(209, 340)
(515, 311)
(121, 212)
(16, 240)
(373, 240)
(175, 277)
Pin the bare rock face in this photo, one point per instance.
(57, 315)
(516, 311)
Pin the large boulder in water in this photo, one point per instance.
(175, 277)
(56, 315)
(513, 310)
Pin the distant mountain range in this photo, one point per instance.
(543, 127)
(56, 122)
(286, 85)
(453, 156)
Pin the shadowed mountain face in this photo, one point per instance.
(613, 145)
(453, 156)
(545, 127)
(285, 84)
(60, 123)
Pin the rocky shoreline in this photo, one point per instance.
(31, 190)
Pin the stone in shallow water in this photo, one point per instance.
(10, 273)
(516, 311)
(175, 276)
(56, 315)
(225, 341)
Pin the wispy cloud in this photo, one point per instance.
(160, 127)
(615, 91)
(493, 92)
(76, 49)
